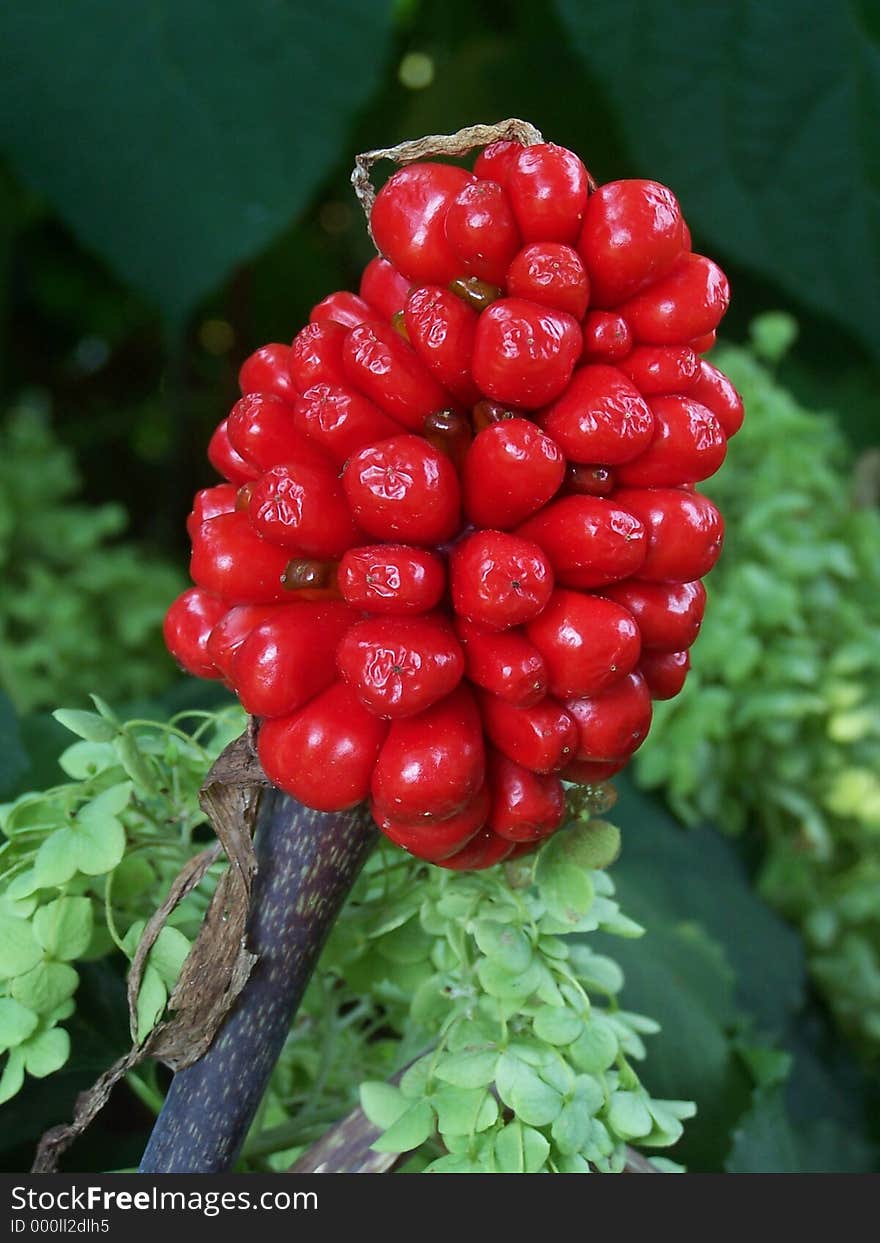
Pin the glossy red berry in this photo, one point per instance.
(187, 629)
(525, 806)
(511, 470)
(268, 371)
(587, 643)
(481, 231)
(225, 460)
(506, 664)
(668, 614)
(688, 445)
(716, 392)
(341, 421)
(684, 532)
(499, 580)
(550, 274)
(230, 560)
(590, 541)
(662, 368)
(262, 431)
(316, 357)
(324, 754)
(384, 288)
(600, 418)
(524, 353)
(592, 772)
(210, 502)
(689, 301)
(631, 237)
(303, 509)
(548, 187)
(607, 337)
(408, 221)
(494, 162)
(386, 369)
(403, 489)
(342, 308)
(484, 850)
(233, 628)
(431, 764)
(441, 330)
(542, 736)
(392, 578)
(289, 658)
(664, 672)
(398, 666)
(614, 724)
(436, 840)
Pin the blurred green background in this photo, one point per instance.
(174, 192)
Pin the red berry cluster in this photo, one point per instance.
(459, 548)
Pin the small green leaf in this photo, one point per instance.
(410, 1130)
(168, 954)
(461, 1111)
(506, 945)
(520, 1149)
(382, 1103)
(468, 1069)
(109, 802)
(565, 888)
(525, 1092)
(46, 1052)
(150, 1003)
(596, 1048)
(16, 1023)
(628, 1115)
(571, 1129)
(87, 725)
(82, 760)
(45, 986)
(135, 764)
(13, 1076)
(64, 927)
(557, 1025)
(57, 859)
(509, 985)
(19, 950)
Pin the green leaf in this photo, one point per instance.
(763, 89)
(382, 1103)
(557, 1025)
(168, 954)
(46, 986)
(571, 1129)
(234, 168)
(19, 950)
(468, 1070)
(410, 1130)
(628, 1115)
(520, 1149)
(57, 859)
(525, 1092)
(16, 1023)
(596, 1048)
(461, 1111)
(135, 764)
(509, 985)
(87, 725)
(64, 927)
(100, 845)
(151, 1002)
(46, 1052)
(82, 760)
(505, 944)
(13, 1076)
(565, 887)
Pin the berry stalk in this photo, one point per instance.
(307, 862)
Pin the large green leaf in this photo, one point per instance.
(177, 140)
(763, 119)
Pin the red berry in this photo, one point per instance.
(383, 287)
(225, 460)
(316, 356)
(688, 445)
(600, 418)
(408, 221)
(431, 764)
(209, 503)
(505, 664)
(380, 363)
(441, 330)
(232, 630)
(607, 337)
(689, 301)
(401, 665)
(289, 658)
(590, 541)
(526, 806)
(592, 772)
(499, 580)
(403, 489)
(494, 162)
(303, 509)
(232, 561)
(436, 840)
(324, 755)
(684, 532)
(614, 724)
(267, 370)
(541, 737)
(716, 392)
(548, 188)
(261, 430)
(187, 629)
(668, 614)
(552, 275)
(661, 368)
(392, 578)
(664, 672)
(587, 643)
(524, 353)
(701, 345)
(484, 850)
(342, 308)
(341, 421)
(511, 470)
(481, 231)
(631, 237)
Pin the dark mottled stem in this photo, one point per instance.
(307, 862)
